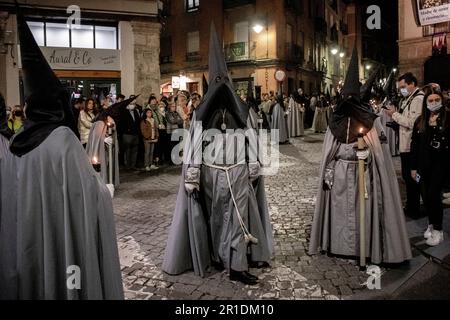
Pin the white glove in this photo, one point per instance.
(363, 154)
(109, 140)
(192, 180)
(254, 171)
(111, 189)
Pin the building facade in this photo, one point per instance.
(113, 48)
(259, 38)
(416, 45)
(310, 40)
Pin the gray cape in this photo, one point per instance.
(320, 120)
(295, 119)
(336, 219)
(278, 121)
(190, 247)
(391, 134)
(96, 147)
(8, 289)
(59, 214)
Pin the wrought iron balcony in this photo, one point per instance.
(320, 25)
(228, 4)
(238, 51)
(295, 53)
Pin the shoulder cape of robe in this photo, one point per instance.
(96, 147)
(59, 214)
(387, 238)
(188, 242)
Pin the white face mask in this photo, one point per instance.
(435, 106)
(404, 92)
(131, 107)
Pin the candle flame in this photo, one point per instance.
(94, 160)
(361, 130)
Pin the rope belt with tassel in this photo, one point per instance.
(248, 237)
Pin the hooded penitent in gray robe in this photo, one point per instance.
(336, 222)
(96, 147)
(320, 118)
(57, 237)
(391, 134)
(207, 229)
(296, 119)
(278, 122)
(336, 217)
(64, 218)
(206, 225)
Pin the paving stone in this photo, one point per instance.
(143, 226)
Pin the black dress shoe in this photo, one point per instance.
(259, 265)
(218, 266)
(251, 276)
(242, 277)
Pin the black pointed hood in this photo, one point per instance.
(47, 103)
(351, 114)
(366, 89)
(351, 84)
(204, 85)
(221, 94)
(4, 129)
(115, 110)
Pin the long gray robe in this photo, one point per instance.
(336, 219)
(295, 119)
(391, 134)
(278, 122)
(61, 215)
(96, 147)
(207, 230)
(7, 234)
(320, 120)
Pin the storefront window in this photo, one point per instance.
(37, 28)
(105, 38)
(48, 34)
(83, 37)
(57, 35)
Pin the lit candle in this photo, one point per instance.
(362, 202)
(95, 164)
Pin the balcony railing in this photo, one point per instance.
(237, 51)
(228, 4)
(295, 5)
(295, 53)
(320, 25)
(193, 56)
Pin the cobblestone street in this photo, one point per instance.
(144, 205)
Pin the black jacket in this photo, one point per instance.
(430, 148)
(127, 125)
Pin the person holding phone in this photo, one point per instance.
(429, 160)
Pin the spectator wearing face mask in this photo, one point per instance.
(15, 121)
(410, 109)
(430, 156)
(162, 147)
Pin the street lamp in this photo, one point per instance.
(342, 54)
(395, 70)
(368, 67)
(258, 28)
(334, 51)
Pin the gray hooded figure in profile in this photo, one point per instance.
(336, 222)
(57, 236)
(221, 217)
